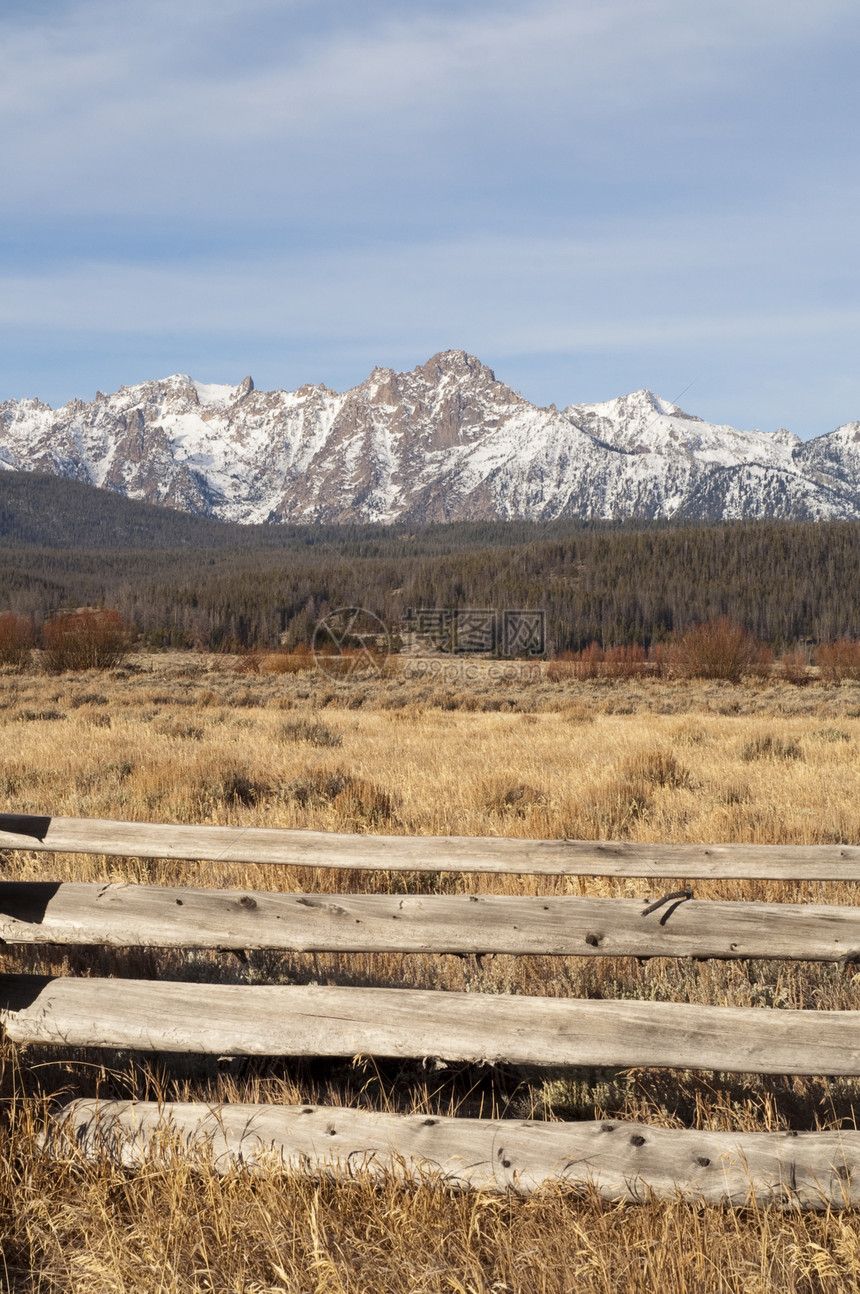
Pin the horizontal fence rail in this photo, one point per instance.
(224, 1019)
(125, 916)
(285, 846)
(620, 1161)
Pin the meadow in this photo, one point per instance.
(438, 748)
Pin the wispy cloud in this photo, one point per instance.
(593, 176)
(569, 293)
(130, 108)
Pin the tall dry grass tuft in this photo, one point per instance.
(506, 796)
(657, 768)
(768, 746)
(311, 730)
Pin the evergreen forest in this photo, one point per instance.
(191, 581)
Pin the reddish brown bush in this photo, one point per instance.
(16, 640)
(91, 638)
(287, 662)
(795, 668)
(839, 660)
(626, 662)
(720, 649)
(596, 662)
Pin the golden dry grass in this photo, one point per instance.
(186, 738)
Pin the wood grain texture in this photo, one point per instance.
(621, 1161)
(124, 915)
(429, 853)
(311, 1020)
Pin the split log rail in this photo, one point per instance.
(814, 1169)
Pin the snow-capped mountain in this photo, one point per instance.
(444, 442)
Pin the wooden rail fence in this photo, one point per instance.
(814, 1169)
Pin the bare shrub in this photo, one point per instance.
(313, 731)
(795, 668)
(353, 662)
(561, 668)
(294, 662)
(17, 638)
(839, 660)
(625, 662)
(576, 665)
(770, 747)
(720, 649)
(595, 661)
(761, 666)
(92, 638)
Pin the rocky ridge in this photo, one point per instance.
(446, 441)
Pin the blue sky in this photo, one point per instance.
(591, 195)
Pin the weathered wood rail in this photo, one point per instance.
(816, 1169)
(621, 1161)
(121, 915)
(314, 1020)
(286, 847)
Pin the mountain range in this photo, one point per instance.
(444, 442)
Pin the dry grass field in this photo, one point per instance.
(466, 751)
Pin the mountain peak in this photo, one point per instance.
(444, 442)
(457, 362)
(653, 401)
(647, 402)
(216, 395)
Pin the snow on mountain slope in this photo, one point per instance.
(446, 441)
(643, 423)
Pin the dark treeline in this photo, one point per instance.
(51, 512)
(197, 582)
